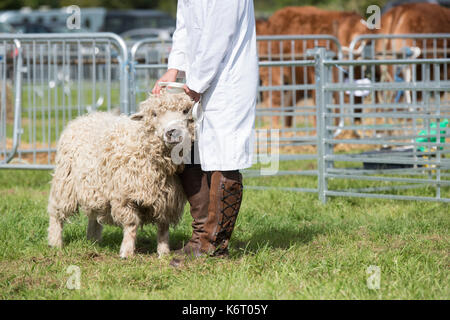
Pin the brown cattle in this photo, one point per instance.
(301, 21)
(261, 26)
(312, 20)
(414, 18)
(8, 97)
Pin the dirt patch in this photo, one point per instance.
(8, 191)
(29, 158)
(312, 149)
(42, 261)
(92, 256)
(308, 124)
(435, 238)
(9, 99)
(25, 282)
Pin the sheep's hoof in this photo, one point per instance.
(55, 246)
(163, 252)
(126, 254)
(55, 243)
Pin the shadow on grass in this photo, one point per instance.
(274, 238)
(146, 241)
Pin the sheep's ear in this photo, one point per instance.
(137, 116)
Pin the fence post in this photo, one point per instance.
(124, 60)
(132, 87)
(17, 131)
(320, 77)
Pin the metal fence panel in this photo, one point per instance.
(148, 61)
(401, 46)
(392, 151)
(55, 78)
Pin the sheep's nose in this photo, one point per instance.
(169, 133)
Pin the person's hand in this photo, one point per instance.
(191, 93)
(169, 76)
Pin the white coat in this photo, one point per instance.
(215, 44)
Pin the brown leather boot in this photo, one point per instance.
(225, 199)
(195, 185)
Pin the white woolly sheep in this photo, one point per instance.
(118, 170)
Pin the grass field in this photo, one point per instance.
(285, 246)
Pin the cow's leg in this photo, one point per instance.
(275, 97)
(289, 101)
(275, 104)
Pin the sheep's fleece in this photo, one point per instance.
(118, 170)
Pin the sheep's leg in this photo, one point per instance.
(163, 239)
(62, 203)
(94, 230)
(126, 215)
(129, 240)
(55, 231)
(58, 212)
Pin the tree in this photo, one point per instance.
(10, 4)
(38, 3)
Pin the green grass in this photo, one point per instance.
(285, 246)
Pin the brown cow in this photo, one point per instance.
(261, 26)
(416, 18)
(408, 19)
(301, 21)
(312, 20)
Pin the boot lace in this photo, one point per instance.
(231, 200)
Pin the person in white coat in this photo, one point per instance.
(215, 45)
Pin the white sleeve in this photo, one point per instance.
(221, 24)
(177, 59)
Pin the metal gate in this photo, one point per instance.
(148, 61)
(402, 152)
(55, 78)
(404, 46)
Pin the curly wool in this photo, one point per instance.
(107, 164)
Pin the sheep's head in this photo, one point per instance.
(168, 116)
